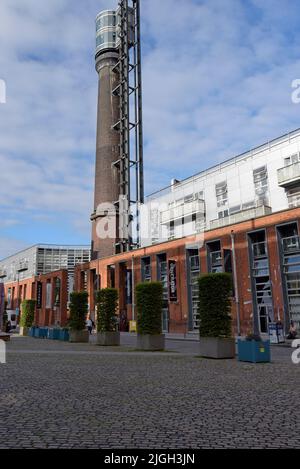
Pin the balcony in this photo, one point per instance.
(291, 244)
(183, 211)
(3, 273)
(289, 175)
(23, 265)
(239, 217)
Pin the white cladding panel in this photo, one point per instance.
(245, 182)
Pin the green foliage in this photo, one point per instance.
(107, 303)
(215, 305)
(149, 302)
(78, 310)
(27, 313)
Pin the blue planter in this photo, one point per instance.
(54, 333)
(43, 333)
(253, 351)
(64, 335)
(37, 332)
(31, 331)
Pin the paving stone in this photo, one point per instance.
(64, 395)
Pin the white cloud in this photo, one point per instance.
(216, 78)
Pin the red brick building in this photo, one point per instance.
(49, 290)
(258, 251)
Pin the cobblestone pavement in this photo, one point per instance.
(60, 395)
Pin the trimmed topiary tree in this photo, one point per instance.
(149, 302)
(78, 315)
(107, 303)
(78, 310)
(215, 291)
(27, 313)
(215, 305)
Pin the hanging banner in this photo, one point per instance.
(172, 281)
(129, 287)
(2, 304)
(39, 295)
(48, 295)
(57, 292)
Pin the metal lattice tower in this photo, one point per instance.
(119, 188)
(129, 125)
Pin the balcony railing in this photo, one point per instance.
(289, 174)
(239, 217)
(183, 211)
(23, 265)
(291, 244)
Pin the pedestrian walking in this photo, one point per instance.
(89, 324)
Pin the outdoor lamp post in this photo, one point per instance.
(19, 271)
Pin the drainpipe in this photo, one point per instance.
(237, 301)
(132, 287)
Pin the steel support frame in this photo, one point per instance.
(129, 126)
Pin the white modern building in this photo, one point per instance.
(262, 181)
(43, 259)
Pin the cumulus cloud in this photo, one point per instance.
(217, 81)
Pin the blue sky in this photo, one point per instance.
(217, 80)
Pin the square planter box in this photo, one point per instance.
(24, 331)
(31, 331)
(79, 336)
(216, 347)
(151, 342)
(64, 335)
(108, 339)
(253, 351)
(43, 332)
(5, 337)
(53, 334)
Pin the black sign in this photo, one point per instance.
(39, 295)
(172, 281)
(129, 287)
(57, 291)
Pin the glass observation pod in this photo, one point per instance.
(107, 30)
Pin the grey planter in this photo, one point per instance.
(5, 337)
(108, 339)
(24, 331)
(215, 347)
(151, 342)
(79, 336)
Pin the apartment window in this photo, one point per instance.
(235, 209)
(223, 214)
(146, 269)
(260, 177)
(214, 257)
(222, 194)
(293, 196)
(171, 230)
(189, 198)
(293, 159)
